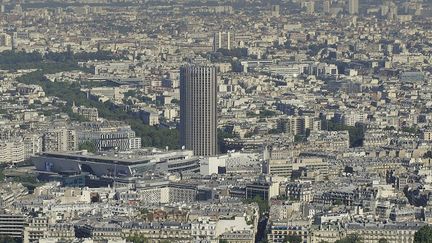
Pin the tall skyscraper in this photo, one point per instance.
(198, 111)
(353, 7)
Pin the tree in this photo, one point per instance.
(350, 239)
(175, 101)
(428, 155)
(266, 113)
(356, 134)
(338, 202)
(222, 134)
(137, 238)
(2, 176)
(130, 93)
(293, 239)
(88, 145)
(275, 131)
(13, 60)
(236, 52)
(7, 239)
(71, 92)
(383, 240)
(95, 198)
(249, 134)
(413, 130)
(236, 66)
(299, 138)
(262, 204)
(349, 169)
(423, 235)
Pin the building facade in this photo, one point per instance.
(223, 40)
(198, 111)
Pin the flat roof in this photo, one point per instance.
(122, 158)
(95, 158)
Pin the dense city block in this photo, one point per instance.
(216, 121)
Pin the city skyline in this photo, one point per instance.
(216, 121)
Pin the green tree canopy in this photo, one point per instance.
(7, 239)
(137, 238)
(71, 92)
(293, 239)
(262, 204)
(356, 134)
(350, 239)
(423, 235)
(88, 145)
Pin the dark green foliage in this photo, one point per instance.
(423, 235)
(383, 240)
(267, 113)
(349, 169)
(81, 56)
(8, 239)
(275, 131)
(29, 180)
(175, 101)
(236, 66)
(11, 58)
(315, 48)
(249, 134)
(221, 135)
(130, 93)
(2, 176)
(70, 92)
(236, 52)
(299, 138)
(89, 146)
(262, 204)
(136, 238)
(338, 202)
(412, 130)
(293, 239)
(356, 134)
(428, 155)
(350, 239)
(66, 61)
(95, 198)
(251, 114)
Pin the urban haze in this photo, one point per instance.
(216, 121)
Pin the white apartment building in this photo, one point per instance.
(12, 151)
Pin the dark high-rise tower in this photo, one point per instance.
(198, 111)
